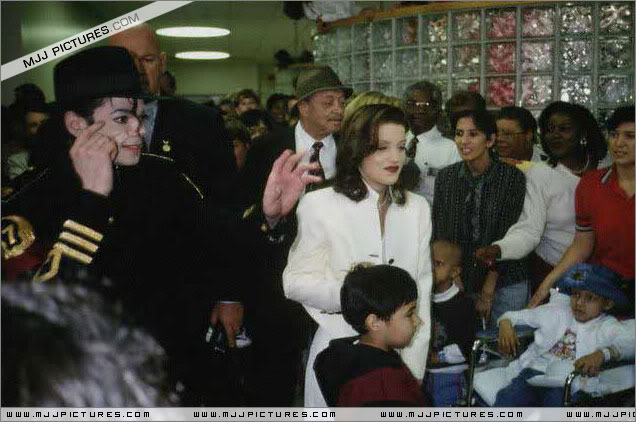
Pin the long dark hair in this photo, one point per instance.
(359, 139)
(586, 124)
(483, 121)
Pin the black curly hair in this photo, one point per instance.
(587, 127)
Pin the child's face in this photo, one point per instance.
(588, 305)
(400, 329)
(444, 269)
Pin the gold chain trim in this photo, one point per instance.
(86, 231)
(196, 188)
(149, 154)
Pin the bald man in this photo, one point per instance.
(142, 43)
(190, 134)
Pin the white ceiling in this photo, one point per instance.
(258, 28)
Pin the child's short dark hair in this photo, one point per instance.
(379, 290)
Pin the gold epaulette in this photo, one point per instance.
(77, 242)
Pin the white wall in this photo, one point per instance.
(213, 77)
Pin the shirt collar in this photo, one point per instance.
(446, 295)
(590, 322)
(432, 134)
(373, 196)
(307, 138)
(608, 176)
(464, 171)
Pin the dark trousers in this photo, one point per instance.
(271, 376)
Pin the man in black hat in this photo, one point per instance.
(109, 210)
(193, 135)
(278, 326)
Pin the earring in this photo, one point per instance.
(583, 142)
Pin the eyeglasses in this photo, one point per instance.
(509, 135)
(420, 105)
(559, 128)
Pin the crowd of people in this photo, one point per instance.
(347, 246)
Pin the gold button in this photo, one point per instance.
(111, 219)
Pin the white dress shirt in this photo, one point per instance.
(304, 142)
(538, 156)
(547, 220)
(150, 109)
(434, 152)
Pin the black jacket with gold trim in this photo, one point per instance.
(167, 252)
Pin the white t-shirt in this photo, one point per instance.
(547, 220)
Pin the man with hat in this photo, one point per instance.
(279, 327)
(107, 210)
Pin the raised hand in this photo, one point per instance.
(488, 254)
(92, 155)
(542, 292)
(285, 184)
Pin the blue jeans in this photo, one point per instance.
(521, 394)
(509, 298)
(444, 390)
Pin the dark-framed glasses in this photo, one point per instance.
(420, 105)
(509, 135)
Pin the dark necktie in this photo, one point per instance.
(411, 151)
(315, 156)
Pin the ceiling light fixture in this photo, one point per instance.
(193, 31)
(202, 55)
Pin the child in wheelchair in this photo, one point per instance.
(578, 335)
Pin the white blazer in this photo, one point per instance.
(334, 233)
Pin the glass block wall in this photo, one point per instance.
(526, 55)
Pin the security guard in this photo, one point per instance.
(131, 221)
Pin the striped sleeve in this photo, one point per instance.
(582, 206)
(76, 242)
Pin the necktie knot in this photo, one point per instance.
(315, 156)
(316, 153)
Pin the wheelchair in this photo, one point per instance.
(622, 395)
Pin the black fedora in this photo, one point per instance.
(97, 73)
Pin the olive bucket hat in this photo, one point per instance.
(319, 79)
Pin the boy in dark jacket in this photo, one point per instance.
(380, 303)
(453, 318)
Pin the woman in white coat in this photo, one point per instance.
(366, 216)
